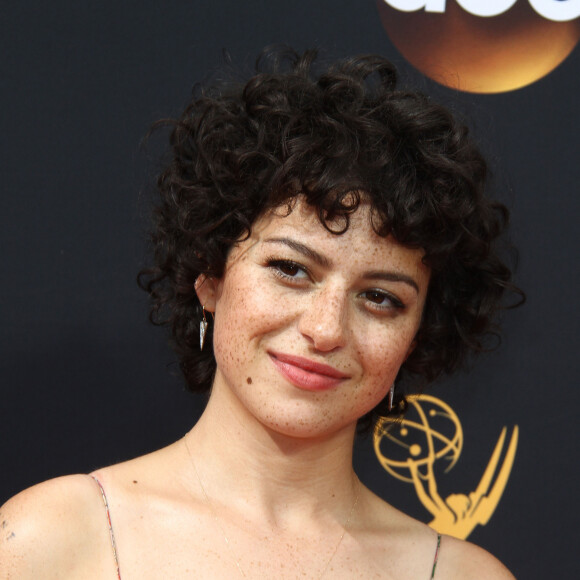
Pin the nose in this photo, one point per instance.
(323, 322)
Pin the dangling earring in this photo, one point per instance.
(391, 396)
(202, 329)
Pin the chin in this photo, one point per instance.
(304, 427)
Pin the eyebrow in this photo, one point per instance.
(302, 249)
(392, 277)
(326, 263)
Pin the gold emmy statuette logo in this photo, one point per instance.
(429, 436)
(483, 46)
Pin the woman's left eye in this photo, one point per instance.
(382, 300)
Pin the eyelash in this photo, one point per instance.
(395, 302)
(277, 265)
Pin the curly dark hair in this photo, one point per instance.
(336, 136)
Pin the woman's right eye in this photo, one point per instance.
(288, 269)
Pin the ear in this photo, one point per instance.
(205, 288)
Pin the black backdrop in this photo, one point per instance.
(85, 381)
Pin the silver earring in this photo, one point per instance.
(391, 396)
(202, 329)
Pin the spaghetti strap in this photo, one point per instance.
(436, 556)
(113, 544)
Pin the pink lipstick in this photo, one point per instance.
(307, 374)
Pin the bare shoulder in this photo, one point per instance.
(51, 527)
(415, 545)
(462, 560)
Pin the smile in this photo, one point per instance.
(307, 374)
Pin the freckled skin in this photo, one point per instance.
(276, 459)
(321, 312)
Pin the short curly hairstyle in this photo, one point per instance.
(336, 135)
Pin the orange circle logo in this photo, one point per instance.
(483, 46)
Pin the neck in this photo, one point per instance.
(279, 476)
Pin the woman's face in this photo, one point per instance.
(312, 327)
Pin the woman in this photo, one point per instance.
(322, 244)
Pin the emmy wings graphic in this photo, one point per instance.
(431, 434)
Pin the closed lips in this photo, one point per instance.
(305, 373)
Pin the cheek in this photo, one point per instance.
(230, 306)
(384, 353)
(243, 316)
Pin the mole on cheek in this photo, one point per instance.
(249, 380)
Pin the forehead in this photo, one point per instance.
(359, 244)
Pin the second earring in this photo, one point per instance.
(391, 396)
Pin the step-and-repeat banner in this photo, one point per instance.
(488, 455)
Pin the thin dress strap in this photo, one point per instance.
(436, 556)
(113, 544)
